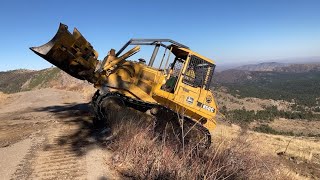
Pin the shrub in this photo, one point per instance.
(265, 128)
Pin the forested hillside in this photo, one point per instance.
(303, 88)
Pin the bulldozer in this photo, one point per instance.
(172, 85)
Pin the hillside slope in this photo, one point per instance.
(25, 80)
(294, 83)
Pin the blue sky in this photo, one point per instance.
(230, 32)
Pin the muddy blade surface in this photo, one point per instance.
(70, 52)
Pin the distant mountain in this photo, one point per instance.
(254, 71)
(232, 76)
(300, 60)
(280, 67)
(267, 66)
(299, 68)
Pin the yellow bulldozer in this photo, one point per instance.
(173, 85)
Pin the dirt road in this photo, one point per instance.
(47, 134)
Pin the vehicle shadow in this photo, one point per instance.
(82, 137)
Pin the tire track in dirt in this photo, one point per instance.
(62, 143)
(53, 160)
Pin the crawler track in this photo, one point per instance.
(187, 129)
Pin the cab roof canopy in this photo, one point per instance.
(178, 49)
(183, 53)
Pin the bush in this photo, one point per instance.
(265, 128)
(243, 116)
(316, 109)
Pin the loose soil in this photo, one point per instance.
(47, 134)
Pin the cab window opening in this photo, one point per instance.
(198, 73)
(174, 71)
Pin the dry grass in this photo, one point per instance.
(3, 96)
(297, 126)
(299, 147)
(138, 154)
(302, 154)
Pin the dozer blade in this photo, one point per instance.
(70, 52)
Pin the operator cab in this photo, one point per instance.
(194, 69)
(176, 61)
